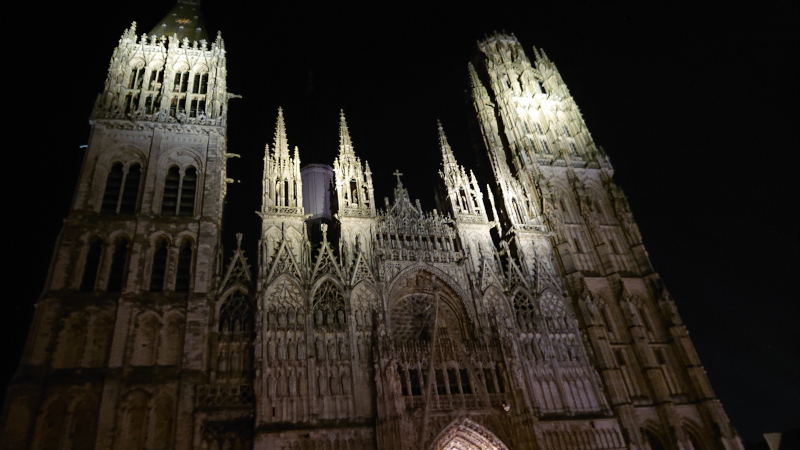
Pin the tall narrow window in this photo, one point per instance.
(577, 244)
(465, 384)
(196, 83)
(573, 150)
(116, 278)
(500, 380)
(159, 267)
(353, 192)
(171, 184)
(452, 380)
(156, 78)
(204, 83)
(566, 130)
(181, 81)
(545, 147)
(188, 188)
(286, 192)
(488, 379)
(130, 193)
(113, 186)
(92, 265)
(183, 274)
(137, 75)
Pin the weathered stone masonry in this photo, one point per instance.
(522, 314)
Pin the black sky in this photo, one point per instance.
(695, 105)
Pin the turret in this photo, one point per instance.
(282, 211)
(355, 198)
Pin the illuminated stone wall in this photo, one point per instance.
(522, 314)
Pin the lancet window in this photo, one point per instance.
(183, 272)
(524, 312)
(329, 309)
(116, 277)
(158, 273)
(71, 340)
(545, 147)
(122, 189)
(180, 187)
(92, 265)
(235, 317)
(144, 351)
(235, 327)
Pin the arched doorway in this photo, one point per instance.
(464, 434)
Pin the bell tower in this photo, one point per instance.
(132, 280)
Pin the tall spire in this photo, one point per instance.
(280, 143)
(345, 143)
(466, 199)
(448, 160)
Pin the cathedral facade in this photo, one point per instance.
(521, 314)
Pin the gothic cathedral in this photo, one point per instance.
(523, 314)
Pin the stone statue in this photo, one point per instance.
(322, 381)
(320, 349)
(343, 353)
(331, 350)
(281, 349)
(301, 348)
(271, 349)
(334, 382)
(340, 317)
(272, 386)
(283, 387)
(346, 389)
(281, 317)
(292, 384)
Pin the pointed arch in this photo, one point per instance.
(71, 342)
(465, 434)
(653, 436)
(51, 425)
(171, 340)
(525, 310)
(162, 419)
(452, 284)
(132, 420)
(328, 303)
(147, 331)
(694, 435)
(82, 423)
(98, 341)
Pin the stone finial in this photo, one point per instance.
(324, 228)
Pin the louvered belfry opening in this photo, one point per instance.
(188, 188)
(130, 193)
(183, 275)
(113, 186)
(158, 274)
(92, 265)
(172, 183)
(116, 277)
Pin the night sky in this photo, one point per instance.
(695, 105)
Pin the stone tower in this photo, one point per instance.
(521, 315)
(569, 225)
(120, 334)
